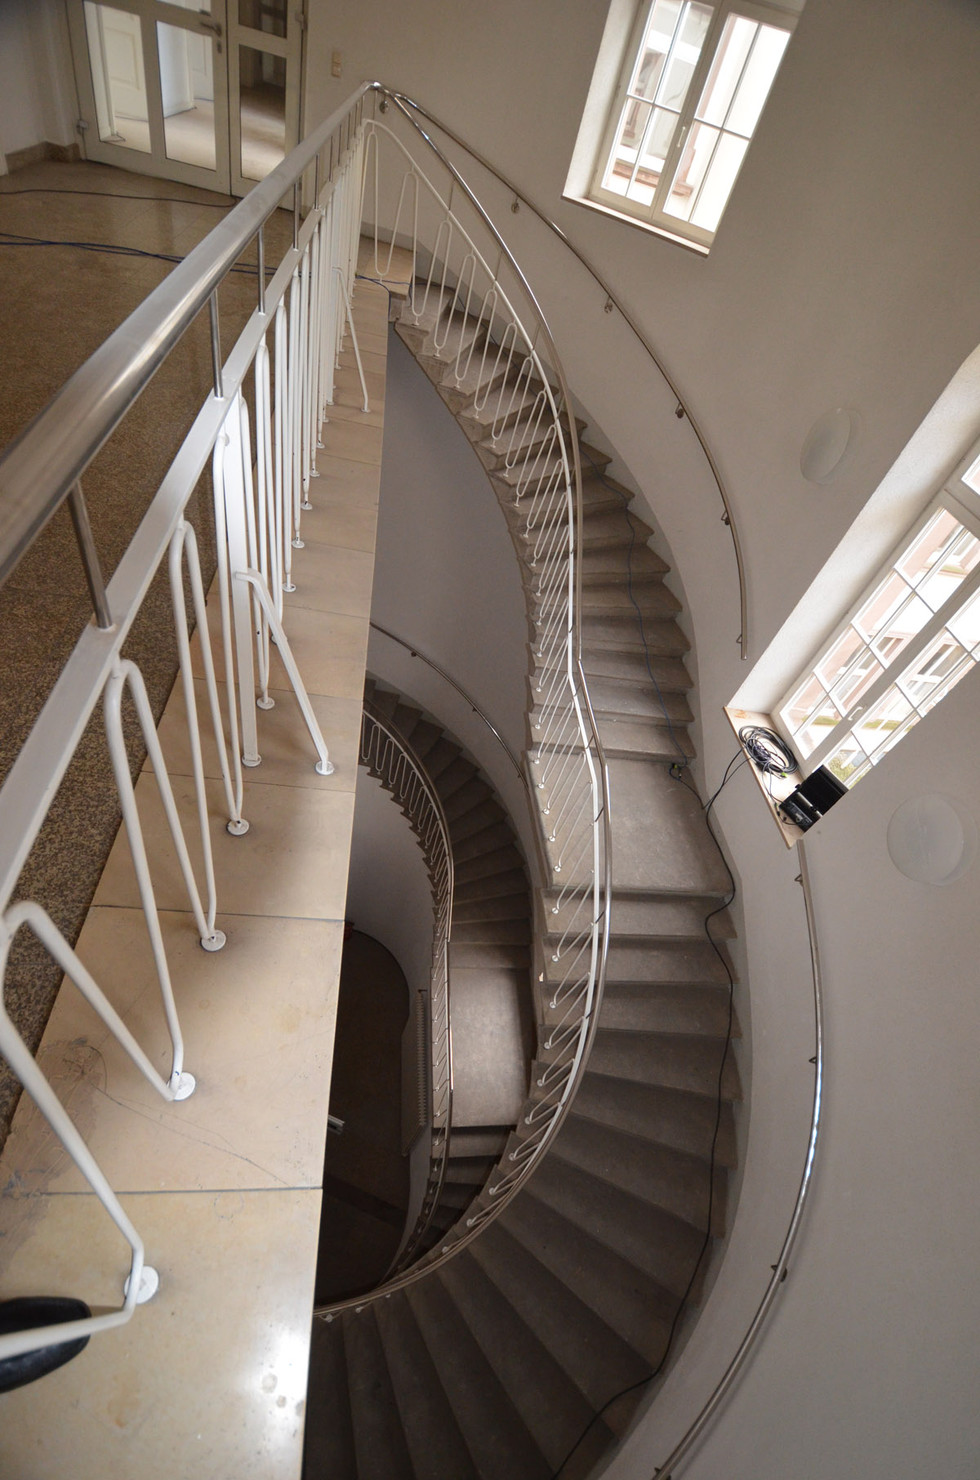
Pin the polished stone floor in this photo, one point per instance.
(209, 1377)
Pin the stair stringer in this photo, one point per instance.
(602, 1256)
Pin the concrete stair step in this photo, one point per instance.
(328, 1443)
(506, 908)
(638, 701)
(624, 1297)
(501, 861)
(655, 1007)
(450, 778)
(467, 797)
(657, 1174)
(425, 734)
(623, 633)
(496, 835)
(638, 916)
(621, 562)
(639, 739)
(405, 719)
(493, 1431)
(434, 1441)
(472, 954)
(598, 1361)
(471, 1171)
(552, 1408)
(440, 755)
(469, 1141)
(642, 1236)
(692, 1123)
(689, 963)
(683, 1061)
(629, 668)
(477, 818)
(614, 527)
(511, 931)
(680, 855)
(385, 701)
(612, 599)
(495, 887)
(379, 1438)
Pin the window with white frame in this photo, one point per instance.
(910, 639)
(696, 78)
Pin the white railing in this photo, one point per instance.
(388, 756)
(284, 363)
(476, 316)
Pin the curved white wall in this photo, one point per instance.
(844, 273)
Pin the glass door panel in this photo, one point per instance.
(262, 111)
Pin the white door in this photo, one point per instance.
(201, 91)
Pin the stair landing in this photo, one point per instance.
(209, 1377)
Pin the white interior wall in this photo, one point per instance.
(37, 90)
(446, 577)
(844, 273)
(388, 893)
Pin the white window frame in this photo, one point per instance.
(654, 216)
(962, 500)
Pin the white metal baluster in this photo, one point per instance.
(282, 515)
(236, 620)
(268, 553)
(353, 334)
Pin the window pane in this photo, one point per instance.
(187, 88)
(849, 763)
(656, 44)
(115, 46)
(263, 15)
(717, 187)
(972, 476)
(863, 673)
(619, 171)
(882, 606)
(654, 153)
(684, 57)
(840, 656)
(955, 563)
(878, 726)
(758, 79)
(965, 625)
(825, 715)
(802, 702)
(695, 159)
(263, 111)
(931, 669)
(928, 547)
(726, 69)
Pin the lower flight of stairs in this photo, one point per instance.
(489, 953)
(527, 1354)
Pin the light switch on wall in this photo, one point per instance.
(336, 64)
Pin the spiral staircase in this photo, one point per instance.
(527, 1353)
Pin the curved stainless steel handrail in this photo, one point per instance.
(39, 468)
(781, 1268)
(683, 410)
(464, 694)
(380, 744)
(553, 1110)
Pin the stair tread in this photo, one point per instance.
(672, 1060)
(328, 1441)
(492, 1429)
(379, 1439)
(689, 1122)
(434, 1441)
(554, 1411)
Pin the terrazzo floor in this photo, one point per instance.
(225, 1188)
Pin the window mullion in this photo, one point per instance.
(685, 115)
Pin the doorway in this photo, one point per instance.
(201, 91)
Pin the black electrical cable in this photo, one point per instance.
(768, 751)
(110, 249)
(732, 769)
(179, 200)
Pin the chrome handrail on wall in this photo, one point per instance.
(780, 1269)
(261, 460)
(464, 694)
(389, 757)
(613, 301)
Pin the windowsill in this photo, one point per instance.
(772, 788)
(698, 248)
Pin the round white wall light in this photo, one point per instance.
(825, 446)
(932, 839)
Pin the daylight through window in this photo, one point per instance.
(687, 105)
(914, 634)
